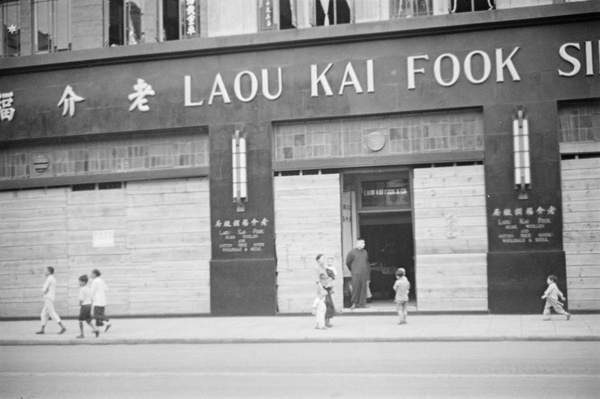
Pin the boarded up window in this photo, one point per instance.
(451, 238)
(307, 222)
(581, 232)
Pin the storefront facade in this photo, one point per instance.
(204, 177)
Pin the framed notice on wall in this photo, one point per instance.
(389, 193)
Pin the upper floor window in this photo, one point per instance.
(11, 28)
(232, 17)
(52, 25)
(150, 21)
(472, 5)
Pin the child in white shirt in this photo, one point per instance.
(402, 288)
(85, 301)
(551, 296)
(319, 309)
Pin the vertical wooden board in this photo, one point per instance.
(317, 230)
(26, 249)
(168, 231)
(581, 232)
(450, 228)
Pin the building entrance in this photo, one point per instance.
(390, 244)
(377, 207)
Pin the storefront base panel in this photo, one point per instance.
(243, 287)
(452, 282)
(517, 280)
(149, 239)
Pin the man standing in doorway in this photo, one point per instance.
(99, 300)
(49, 293)
(358, 263)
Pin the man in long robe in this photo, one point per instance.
(358, 264)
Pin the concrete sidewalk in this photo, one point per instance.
(347, 328)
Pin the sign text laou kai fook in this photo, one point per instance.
(358, 77)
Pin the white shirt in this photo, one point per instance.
(99, 292)
(85, 295)
(49, 288)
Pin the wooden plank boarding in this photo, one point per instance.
(581, 231)
(450, 226)
(158, 250)
(307, 222)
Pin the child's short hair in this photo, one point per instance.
(400, 272)
(83, 279)
(552, 277)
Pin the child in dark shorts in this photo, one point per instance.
(85, 300)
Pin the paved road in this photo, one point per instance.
(315, 370)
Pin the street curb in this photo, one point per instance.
(209, 341)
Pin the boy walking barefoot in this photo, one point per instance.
(49, 293)
(85, 301)
(551, 296)
(402, 287)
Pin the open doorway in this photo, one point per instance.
(377, 208)
(389, 242)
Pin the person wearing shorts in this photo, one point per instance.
(85, 311)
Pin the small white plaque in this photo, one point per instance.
(104, 238)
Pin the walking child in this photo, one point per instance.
(99, 300)
(49, 293)
(85, 311)
(402, 288)
(551, 296)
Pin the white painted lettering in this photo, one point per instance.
(222, 91)
(188, 93)
(352, 82)
(412, 71)
(437, 69)
(570, 59)
(501, 64)
(237, 86)
(315, 80)
(487, 67)
(265, 85)
(370, 77)
(589, 64)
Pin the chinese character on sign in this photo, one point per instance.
(496, 212)
(254, 222)
(551, 210)
(190, 11)
(236, 223)
(142, 89)
(519, 212)
(68, 100)
(540, 210)
(227, 223)
(264, 222)
(245, 223)
(7, 112)
(218, 224)
(529, 211)
(507, 212)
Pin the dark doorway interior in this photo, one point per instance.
(390, 243)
